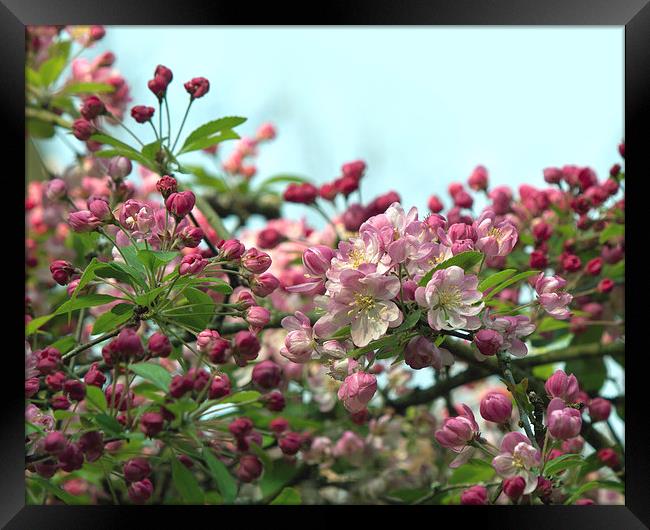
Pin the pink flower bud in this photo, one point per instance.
(599, 409)
(142, 113)
(346, 185)
(249, 468)
(54, 443)
(264, 284)
(54, 382)
(139, 492)
(99, 207)
(266, 131)
(269, 238)
(56, 189)
(192, 264)
(303, 193)
(31, 386)
(316, 260)
(159, 345)
(594, 266)
(151, 423)
(354, 217)
(83, 221)
(60, 403)
(62, 271)
(48, 360)
(94, 376)
(435, 204)
(258, 317)
(290, 443)
(75, 389)
(488, 341)
(608, 456)
(92, 107)
(496, 407)
(167, 185)
(357, 390)
(197, 87)
(71, 458)
(82, 129)
(513, 487)
(180, 203)
(563, 422)
(128, 343)
(191, 236)
(232, 249)
(240, 427)
(478, 180)
(136, 469)
(267, 375)
(354, 170)
(219, 387)
(206, 340)
(476, 495)
(552, 175)
(246, 347)
(559, 385)
(457, 431)
(255, 261)
(328, 191)
(274, 401)
(278, 425)
(91, 444)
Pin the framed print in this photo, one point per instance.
(372, 260)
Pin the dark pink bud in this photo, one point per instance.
(180, 203)
(56, 189)
(274, 401)
(606, 285)
(478, 180)
(552, 175)
(136, 469)
(48, 360)
(97, 33)
(496, 407)
(328, 191)
(538, 260)
(354, 217)
(159, 345)
(151, 423)
(62, 271)
(608, 456)
(435, 204)
(220, 387)
(514, 487)
(264, 284)
(179, 386)
(240, 427)
(197, 87)
(165, 73)
(94, 376)
(192, 264)
(99, 207)
(245, 347)
(278, 425)
(142, 113)
(54, 442)
(92, 107)
(75, 389)
(83, 221)
(255, 261)
(92, 445)
(267, 375)
(128, 343)
(167, 185)
(71, 458)
(232, 249)
(82, 129)
(139, 492)
(599, 409)
(488, 341)
(249, 468)
(303, 193)
(559, 385)
(346, 185)
(354, 170)
(290, 443)
(476, 495)
(269, 238)
(158, 87)
(54, 382)
(32, 386)
(258, 317)
(571, 263)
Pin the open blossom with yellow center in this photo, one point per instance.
(452, 299)
(364, 301)
(518, 458)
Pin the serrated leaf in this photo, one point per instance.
(209, 141)
(96, 396)
(154, 373)
(464, 260)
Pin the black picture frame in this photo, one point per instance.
(633, 14)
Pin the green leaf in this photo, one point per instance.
(110, 320)
(122, 272)
(65, 344)
(496, 279)
(561, 463)
(186, 483)
(224, 480)
(215, 284)
(87, 88)
(591, 373)
(153, 259)
(411, 320)
(96, 396)
(508, 283)
(51, 69)
(82, 302)
(87, 276)
(212, 127)
(197, 314)
(473, 472)
(240, 397)
(55, 490)
(40, 129)
(374, 345)
(109, 424)
(154, 373)
(209, 141)
(203, 178)
(150, 151)
(122, 149)
(288, 496)
(551, 324)
(602, 484)
(464, 260)
(611, 231)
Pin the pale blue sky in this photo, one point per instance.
(421, 105)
